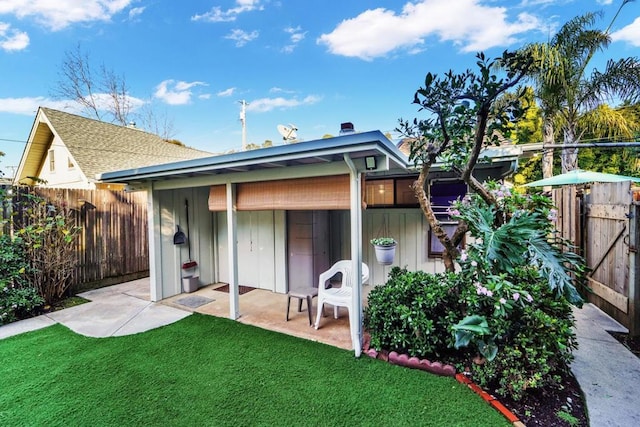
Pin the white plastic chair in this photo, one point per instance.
(342, 296)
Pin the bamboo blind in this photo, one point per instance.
(316, 193)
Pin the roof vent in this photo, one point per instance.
(346, 127)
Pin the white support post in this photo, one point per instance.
(155, 244)
(356, 255)
(232, 243)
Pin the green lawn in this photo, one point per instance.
(207, 371)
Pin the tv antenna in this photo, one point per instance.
(288, 132)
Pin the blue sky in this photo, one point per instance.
(312, 63)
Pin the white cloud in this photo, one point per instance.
(59, 14)
(466, 23)
(605, 2)
(296, 36)
(241, 37)
(277, 89)
(629, 34)
(226, 92)
(204, 96)
(264, 105)
(11, 39)
(29, 105)
(175, 93)
(135, 12)
(216, 14)
(104, 102)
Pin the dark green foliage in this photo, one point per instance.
(17, 299)
(17, 303)
(535, 343)
(412, 313)
(13, 261)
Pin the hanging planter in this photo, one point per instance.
(385, 248)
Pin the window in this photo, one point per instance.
(52, 161)
(379, 192)
(390, 192)
(442, 194)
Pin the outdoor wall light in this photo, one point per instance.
(370, 163)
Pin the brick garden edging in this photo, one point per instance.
(438, 368)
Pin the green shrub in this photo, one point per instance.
(17, 303)
(13, 261)
(49, 231)
(506, 311)
(412, 313)
(535, 343)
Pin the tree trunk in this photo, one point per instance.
(450, 252)
(547, 155)
(569, 155)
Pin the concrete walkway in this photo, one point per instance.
(113, 311)
(608, 373)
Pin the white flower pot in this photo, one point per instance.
(385, 254)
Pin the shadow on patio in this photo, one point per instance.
(267, 310)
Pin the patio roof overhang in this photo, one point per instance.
(294, 160)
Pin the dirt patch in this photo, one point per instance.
(558, 408)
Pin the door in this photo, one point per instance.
(308, 247)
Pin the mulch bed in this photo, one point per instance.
(242, 289)
(542, 407)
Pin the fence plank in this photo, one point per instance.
(113, 244)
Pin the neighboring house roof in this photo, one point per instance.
(96, 146)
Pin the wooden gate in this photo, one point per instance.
(609, 239)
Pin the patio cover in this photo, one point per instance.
(580, 176)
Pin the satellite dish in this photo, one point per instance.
(288, 132)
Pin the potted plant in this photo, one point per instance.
(385, 248)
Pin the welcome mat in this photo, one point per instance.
(241, 290)
(194, 301)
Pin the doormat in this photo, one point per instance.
(241, 290)
(194, 301)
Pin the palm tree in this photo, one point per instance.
(567, 94)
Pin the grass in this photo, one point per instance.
(204, 370)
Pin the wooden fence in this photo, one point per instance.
(605, 226)
(113, 245)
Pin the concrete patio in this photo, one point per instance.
(267, 310)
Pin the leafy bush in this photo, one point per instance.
(13, 261)
(507, 311)
(49, 233)
(534, 342)
(412, 313)
(17, 303)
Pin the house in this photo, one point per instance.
(275, 218)
(68, 151)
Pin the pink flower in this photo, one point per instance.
(503, 301)
(529, 298)
(488, 292)
(516, 296)
(474, 264)
(463, 256)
